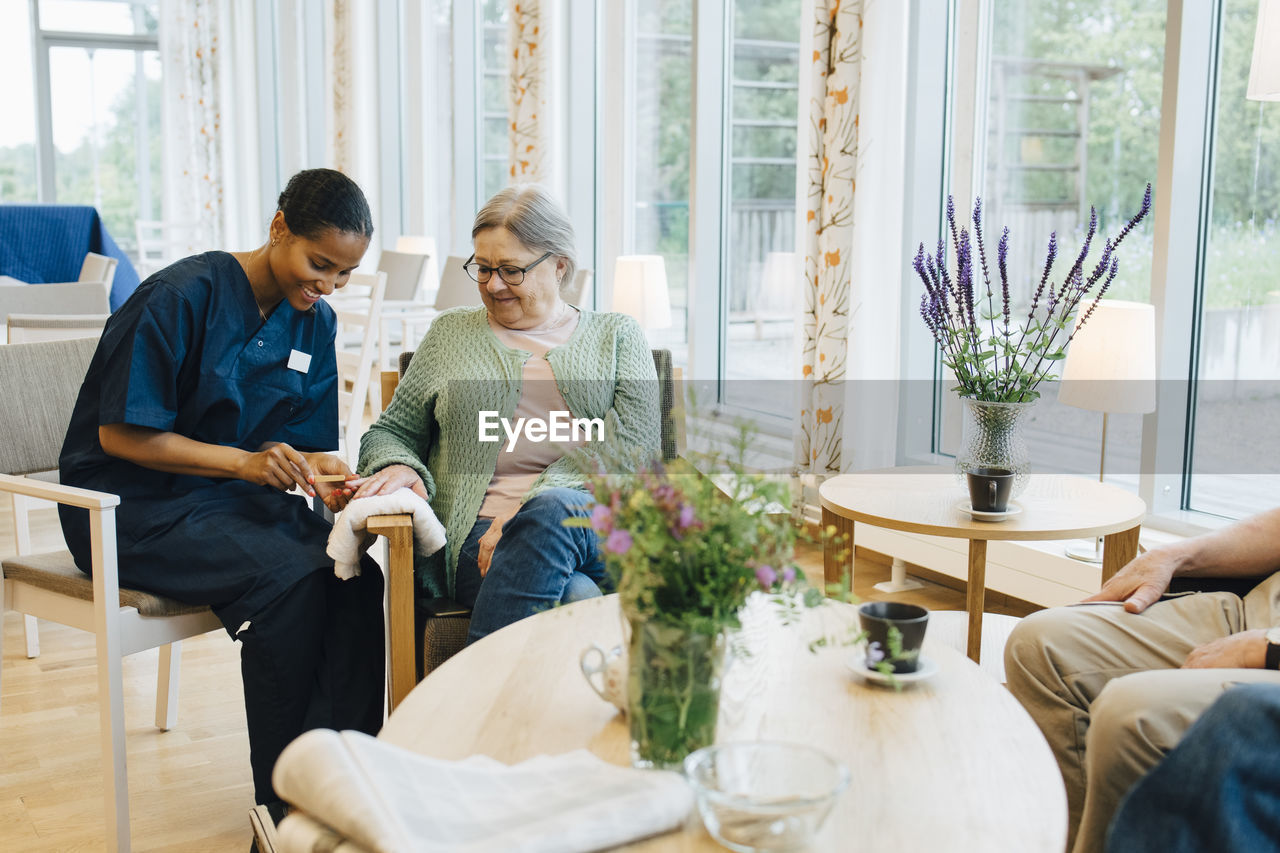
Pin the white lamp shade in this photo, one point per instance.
(779, 281)
(1264, 73)
(1111, 363)
(414, 245)
(640, 289)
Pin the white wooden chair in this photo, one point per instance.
(402, 303)
(26, 328)
(418, 245)
(578, 288)
(161, 243)
(29, 328)
(39, 383)
(76, 297)
(99, 268)
(359, 307)
(456, 288)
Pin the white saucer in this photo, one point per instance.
(978, 515)
(925, 670)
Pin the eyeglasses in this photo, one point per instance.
(512, 275)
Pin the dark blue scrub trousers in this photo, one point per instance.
(312, 658)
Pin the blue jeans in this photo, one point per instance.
(537, 564)
(1219, 789)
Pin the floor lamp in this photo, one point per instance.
(1110, 368)
(640, 289)
(1264, 70)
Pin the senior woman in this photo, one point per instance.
(526, 354)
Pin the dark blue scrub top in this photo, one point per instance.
(189, 353)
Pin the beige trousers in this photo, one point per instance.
(1106, 689)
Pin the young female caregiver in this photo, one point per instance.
(213, 391)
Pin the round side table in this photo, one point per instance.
(927, 500)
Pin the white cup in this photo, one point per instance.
(606, 672)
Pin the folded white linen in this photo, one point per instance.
(385, 799)
(350, 537)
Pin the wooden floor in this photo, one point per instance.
(189, 788)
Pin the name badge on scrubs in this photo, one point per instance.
(299, 361)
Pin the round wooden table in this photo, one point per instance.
(927, 500)
(953, 763)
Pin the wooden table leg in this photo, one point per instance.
(402, 668)
(837, 550)
(1117, 550)
(975, 599)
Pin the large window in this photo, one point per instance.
(97, 73)
(1236, 401)
(1067, 120)
(18, 181)
(712, 184)
(1056, 105)
(762, 272)
(663, 153)
(495, 169)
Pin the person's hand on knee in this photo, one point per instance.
(1142, 581)
(489, 541)
(1245, 650)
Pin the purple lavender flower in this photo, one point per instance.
(949, 311)
(1002, 259)
(789, 574)
(766, 576)
(687, 517)
(601, 518)
(1049, 258)
(619, 542)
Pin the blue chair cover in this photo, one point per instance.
(47, 242)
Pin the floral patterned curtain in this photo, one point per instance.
(344, 118)
(832, 155)
(527, 94)
(192, 118)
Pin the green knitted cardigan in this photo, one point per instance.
(605, 370)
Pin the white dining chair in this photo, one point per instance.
(25, 329)
(98, 268)
(358, 308)
(39, 383)
(161, 243)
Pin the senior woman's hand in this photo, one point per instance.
(489, 541)
(388, 480)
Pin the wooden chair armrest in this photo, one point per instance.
(58, 493)
(401, 640)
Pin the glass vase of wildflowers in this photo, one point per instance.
(997, 360)
(686, 551)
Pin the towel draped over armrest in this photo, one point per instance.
(350, 535)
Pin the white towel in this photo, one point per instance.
(385, 799)
(350, 536)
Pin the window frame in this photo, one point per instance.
(1183, 192)
(42, 41)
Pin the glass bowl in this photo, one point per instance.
(764, 796)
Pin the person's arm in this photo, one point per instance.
(393, 451)
(1249, 548)
(276, 464)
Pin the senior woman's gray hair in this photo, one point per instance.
(536, 219)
